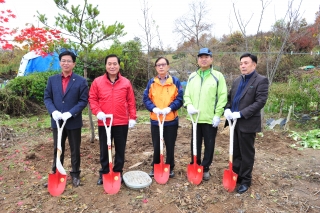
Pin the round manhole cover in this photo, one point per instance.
(137, 179)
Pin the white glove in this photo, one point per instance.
(166, 110)
(236, 115)
(157, 111)
(102, 116)
(191, 110)
(56, 115)
(66, 116)
(132, 123)
(228, 114)
(215, 121)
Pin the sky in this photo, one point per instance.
(164, 13)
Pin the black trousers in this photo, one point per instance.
(243, 155)
(119, 135)
(208, 133)
(169, 136)
(74, 138)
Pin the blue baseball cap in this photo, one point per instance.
(204, 51)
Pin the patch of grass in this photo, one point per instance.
(143, 116)
(24, 124)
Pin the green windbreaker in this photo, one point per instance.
(207, 92)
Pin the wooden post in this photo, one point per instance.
(286, 126)
(281, 106)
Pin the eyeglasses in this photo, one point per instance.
(161, 65)
(66, 61)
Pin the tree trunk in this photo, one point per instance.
(91, 124)
(85, 75)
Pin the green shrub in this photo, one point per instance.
(301, 91)
(30, 87)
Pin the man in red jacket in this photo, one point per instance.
(112, 93)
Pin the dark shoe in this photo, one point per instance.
(242, 188)
(100, 181)
(151, 174)
(76, 181)
(206, 176)
(171, 175)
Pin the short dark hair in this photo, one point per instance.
(253, 57)
(111, 56)
(155, 63)
(67, 52)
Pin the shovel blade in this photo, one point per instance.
(111, 182)
(195, 173)
(229, 179)
(57, 183)
(161, 171)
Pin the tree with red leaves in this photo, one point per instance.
(40, 40)
(5, 16)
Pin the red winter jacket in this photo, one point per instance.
(117, 99)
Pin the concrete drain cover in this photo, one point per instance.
(137, 179)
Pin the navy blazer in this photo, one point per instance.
(252, 99)
(74, 100)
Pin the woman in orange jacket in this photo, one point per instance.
(163, 96)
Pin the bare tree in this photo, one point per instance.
(292, 17)
(194, 24)
(150, 30)
(243, 24)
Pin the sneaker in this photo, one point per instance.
(76, 181)
(171, 175)
(151, 174)
(206, 176)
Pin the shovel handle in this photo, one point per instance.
(161, 124)
(194, 133)
(60, 129)
(108, 129)
(232, 125)
(59, 149)
(108, 133)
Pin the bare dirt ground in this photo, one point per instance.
(284, 179)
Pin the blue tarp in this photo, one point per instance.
(32, 62)
(43, 64)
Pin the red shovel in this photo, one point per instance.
(161, 170)
(229, 177)
(112, 180)
(57, 181)
(194, 171)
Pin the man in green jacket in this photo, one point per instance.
(206, 93)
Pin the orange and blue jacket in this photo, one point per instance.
(170, 94)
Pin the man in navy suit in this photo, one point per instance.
(248, 95)
(65, 96)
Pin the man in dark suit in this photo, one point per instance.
(248, 95)
(65, 96)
